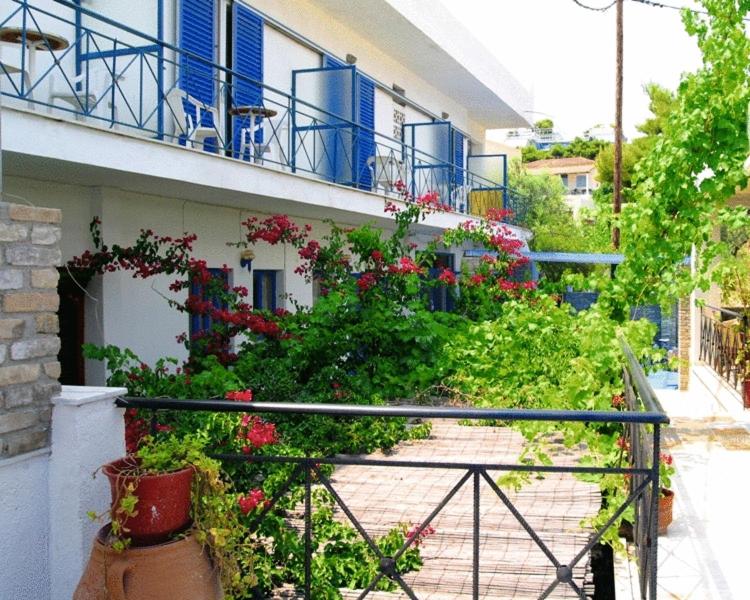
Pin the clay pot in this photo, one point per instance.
(163, 501)
(666, 500)
(172, 571)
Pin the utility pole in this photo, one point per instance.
(617, 200)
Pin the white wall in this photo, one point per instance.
(24, 527)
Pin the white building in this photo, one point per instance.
(192, 115)
(577, 174)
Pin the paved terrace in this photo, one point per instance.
(702, 556)
(511, 564)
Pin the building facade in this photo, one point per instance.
(193, 115)
(577, 174)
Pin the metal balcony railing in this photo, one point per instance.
(641, 422)
(103, 72)
(724, 344)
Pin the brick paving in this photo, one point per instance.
(511, 564)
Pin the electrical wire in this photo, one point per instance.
(594, 8)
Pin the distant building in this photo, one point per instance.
(577, 174)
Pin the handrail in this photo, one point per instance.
(643, 387)
(432, 412)
(725, 311)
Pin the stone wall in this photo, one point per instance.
(29, 370)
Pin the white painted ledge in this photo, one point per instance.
(79, 395)
(88, 430)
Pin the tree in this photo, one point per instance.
(544, 124)
(706, 129)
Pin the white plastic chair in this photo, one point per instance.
(191, 126)
(100, 82)
(386, 171)
(274, 132)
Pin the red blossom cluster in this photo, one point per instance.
(405, 266)
(666, 459)
(498, 214)
(618, 401)
(447, 277)
(420, 535)
(254, 433)
(275, 229)
(622, 443)
(367, 281)
(250, 501)
(240, 396)
(136, 428)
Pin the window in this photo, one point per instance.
(564, 179)
(200, 323)
(440, 296)
(581, 182)
(266, 289)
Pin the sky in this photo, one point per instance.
(565, 55)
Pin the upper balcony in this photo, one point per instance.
(64, 60)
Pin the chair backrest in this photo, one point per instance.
(174, 100)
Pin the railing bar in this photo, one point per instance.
(654, 533)
(475, 554)
(438, 465)
(598, 534)
(308, 532)
(447, 498)
(435, 412)
(520, 518)
(357, 525)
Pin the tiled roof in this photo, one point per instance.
(557, 163)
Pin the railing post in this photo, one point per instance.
(308, 531)
(654, 521)
(475, 556)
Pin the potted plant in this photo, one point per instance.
(169, 504)
(666, 497)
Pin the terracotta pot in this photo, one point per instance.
(173, 571)
(163, 501)
(666, 500)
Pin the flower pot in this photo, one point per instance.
(666, 500)
(163, 506)
(173, 571)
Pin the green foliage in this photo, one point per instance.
(705, 130)
(586, 148)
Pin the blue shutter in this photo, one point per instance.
(199, 323)
(197, 36)
(458, 157)
(365, 144)
(247, 62)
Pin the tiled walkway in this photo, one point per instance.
(702, 556)
(511, 564)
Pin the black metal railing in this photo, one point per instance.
(642, 423)
(724, 343)
(119, 78)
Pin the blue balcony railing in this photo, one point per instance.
(109, 74)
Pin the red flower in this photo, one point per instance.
(245, 396)
(250, 501)
(447, 277)
(366, 281)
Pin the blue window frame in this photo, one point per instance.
(200, 323)
(265, 289)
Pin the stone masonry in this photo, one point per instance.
(29, 370)
(683, 343)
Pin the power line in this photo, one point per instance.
(594, 8)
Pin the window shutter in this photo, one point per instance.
(458, 157)
(366, 137)
(247, 61)
(197, 36)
